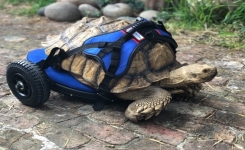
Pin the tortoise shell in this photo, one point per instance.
(153, 62)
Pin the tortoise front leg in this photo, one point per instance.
(149, 102)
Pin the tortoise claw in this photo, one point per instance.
(136, 111)
(147, 111)
(140, 109)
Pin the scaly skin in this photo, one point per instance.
(187, 75)
(151, 101)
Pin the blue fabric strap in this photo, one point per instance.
(55, 60)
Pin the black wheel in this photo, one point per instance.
(28, 83)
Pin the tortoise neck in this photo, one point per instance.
(177, 78)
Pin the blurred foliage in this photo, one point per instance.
(236, 20)
(204, 15)
(135, 4)
(30, 11)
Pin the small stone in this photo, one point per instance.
(89, 10)
(148, 14)
(40, 11)
(62, 11)
(79, 2)
(117, 10)
(11, 38)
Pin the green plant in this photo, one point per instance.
(202, 12)
(103, 3)
(229, 27)
(135, 4)
(237, 20)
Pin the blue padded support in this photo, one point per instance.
(61, 77)
(126, 51)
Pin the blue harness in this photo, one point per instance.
(114, 50)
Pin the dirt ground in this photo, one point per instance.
(215, 119)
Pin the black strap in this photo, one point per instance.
(55, 60)
(104, 88)
(90, 45)
(154, 35)
(52, 60)
(110, 46)
(161, 26)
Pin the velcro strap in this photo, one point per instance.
(102, 44)
(52, 60)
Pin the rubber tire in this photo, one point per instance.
(28, 83)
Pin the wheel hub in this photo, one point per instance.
(21, 86)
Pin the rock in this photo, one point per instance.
(62, 11)
(129, 19)
(149, 14)
(79, 2)
(117, 10)
(89, 10)
(41, 10)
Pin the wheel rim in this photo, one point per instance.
(21, 86)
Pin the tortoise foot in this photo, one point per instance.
(146, 108)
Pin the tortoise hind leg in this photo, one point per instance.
(148, 102)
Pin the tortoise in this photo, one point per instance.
(152, 78)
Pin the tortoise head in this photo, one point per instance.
(199, 73)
